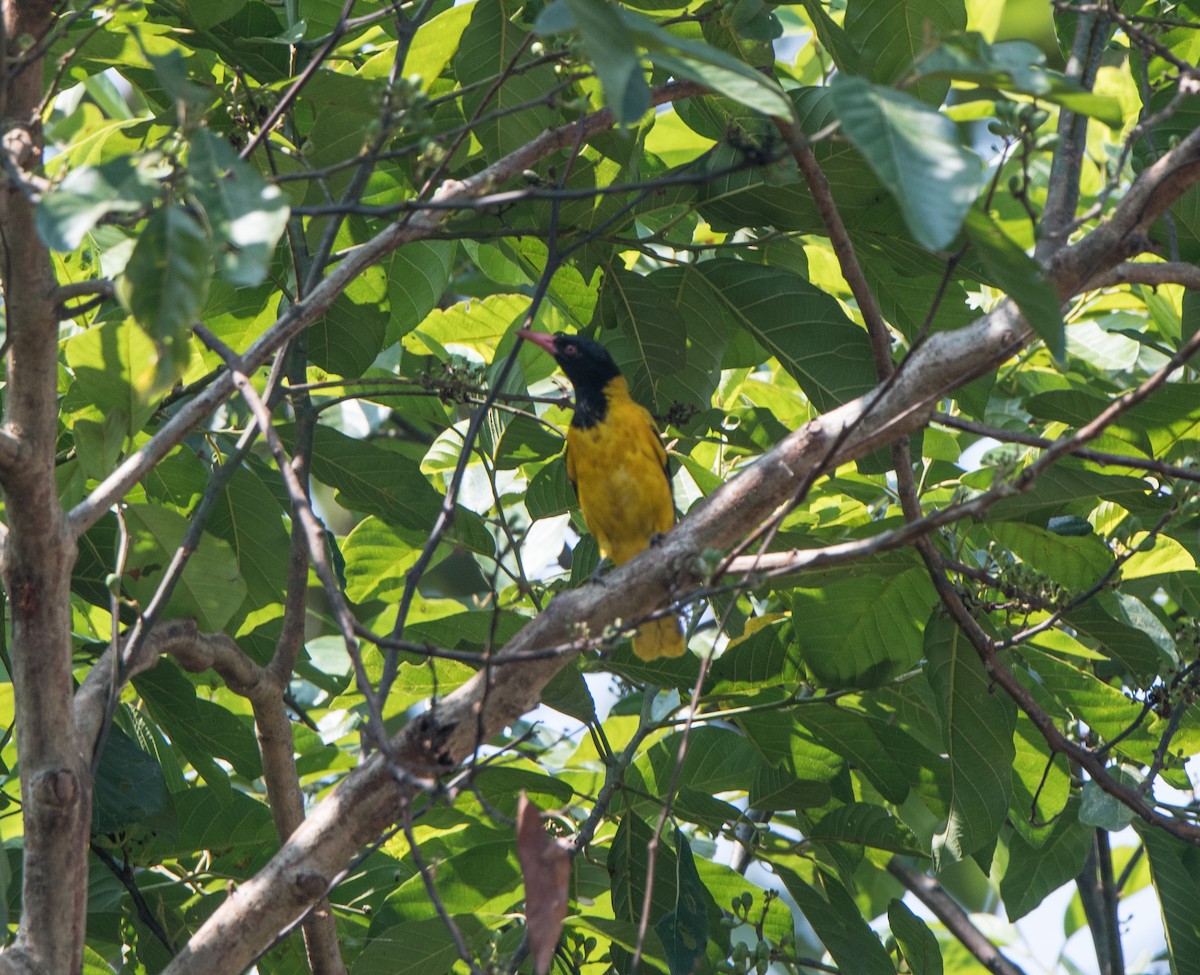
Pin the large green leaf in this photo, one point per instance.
(978, 728)
(830, 909)
(862, 632)
(916, 153)
(428, 948)
(348, 337)
(167, 278)
(248, 518)
(417, 278)
(515, 110)
(211, 587)
(714, 760)
(1077, 563)
(803, 327)
(1129, 645)
(1175, 867)
(246, 214)
(916, 941)
(115, 366)
(130, 787)
(1033, 872)
(1016, 65)
(203, 731)
(613, 36)
(89, 193)
(891, 35)
(683, 931)
(387, 484)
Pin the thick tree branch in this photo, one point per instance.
(39, 552)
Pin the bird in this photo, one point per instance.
(618, 466)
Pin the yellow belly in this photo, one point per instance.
(618, 467)
(618, 470)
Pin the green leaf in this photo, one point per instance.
(248, 518)
(803, 327)
(476, 864)
(651, 314)
(683, 931)
(1020, 277)
(387, 484)
(1016, 66)
(246, 214)
(978, 729)
(432, 48)
(891, 35)
(130, 787)
(568, 694)
(427, 949)
(1174, 867)
(715, 760)
(628, 865)
(115, 366)
(417, 278)
(915, 152)
(612, 34)
(610, 47)
(1077, 563)
(211, 587)
(887, 756)
(1033, 872)
(1101, 809)
(212, 820)
(167, 278)
(1041, 784)
(550, 492)
(347, 338)
(1107, 710)
(917, 943)
(377, 561)
(200, 729)
(863, 632)
(1124, 643)
(836, 919)
(865, 824)
(768, 656)
(88, 194)
(490, 49)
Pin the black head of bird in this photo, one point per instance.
(586, 363)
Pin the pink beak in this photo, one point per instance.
(543, 339)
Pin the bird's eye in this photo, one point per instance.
(571, 350)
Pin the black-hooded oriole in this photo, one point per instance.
(618, 466)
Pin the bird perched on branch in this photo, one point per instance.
(618, 466)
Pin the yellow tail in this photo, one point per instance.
(659, 638)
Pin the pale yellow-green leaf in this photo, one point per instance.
(474, 325)
(1163, 557)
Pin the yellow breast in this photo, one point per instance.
(618, 467)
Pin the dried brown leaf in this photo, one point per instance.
(547, 872)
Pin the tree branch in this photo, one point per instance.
(930, 893)
(56, 787)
